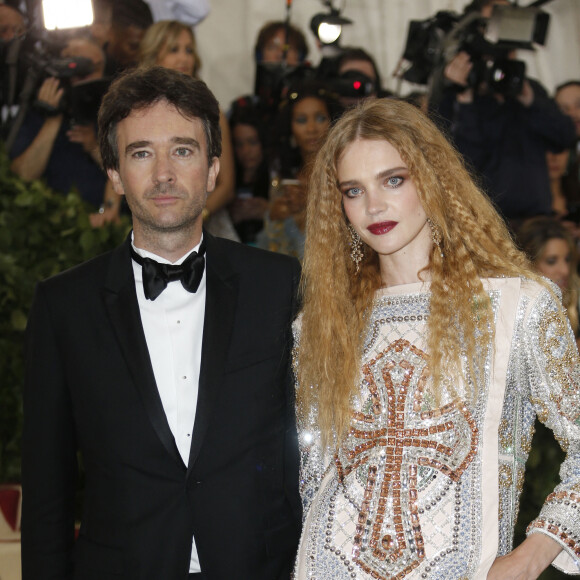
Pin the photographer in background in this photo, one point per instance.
(504, 133)
(353, 75)
(50, 145)
(130, 19)
(280, 56)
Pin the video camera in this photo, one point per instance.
(432, 43)
(350, 84)
(26, 62)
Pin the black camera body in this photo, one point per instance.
(29, 60)
(26, 62)
(350, 84)
(274, 79)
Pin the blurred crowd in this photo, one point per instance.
(522, 144)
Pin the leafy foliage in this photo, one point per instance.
(41, 233)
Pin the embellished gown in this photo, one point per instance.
(421, 489)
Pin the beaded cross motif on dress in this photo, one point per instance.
(389, 440)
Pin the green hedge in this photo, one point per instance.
(41, 233)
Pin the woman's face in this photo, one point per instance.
(557, 163)
(310, 124)
(179, 54)
(554, 262)
(247, 146)
(381, 203)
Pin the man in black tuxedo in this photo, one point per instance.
(171, 383)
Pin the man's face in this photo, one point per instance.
(163, 172)
(568, 100)
(11, 23)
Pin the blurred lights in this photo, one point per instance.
(60, 14)
(328, 27)
(329, 33)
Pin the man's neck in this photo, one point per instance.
(168, 245)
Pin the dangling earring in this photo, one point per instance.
(356, 253)
(436, 236)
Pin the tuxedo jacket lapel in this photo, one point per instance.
(220, 307)
(120, 300)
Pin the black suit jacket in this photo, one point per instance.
(90, 388)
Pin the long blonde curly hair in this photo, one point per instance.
(336, 301)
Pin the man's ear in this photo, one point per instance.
(116, 181)
(214, 169)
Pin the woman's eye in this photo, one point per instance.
(300, 120)
(321, 119)
(353, 192)
(394, 181)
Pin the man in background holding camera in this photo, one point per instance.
(51, 145)
(504, 131)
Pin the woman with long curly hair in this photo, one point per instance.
(425, 348)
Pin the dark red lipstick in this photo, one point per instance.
(381, 228)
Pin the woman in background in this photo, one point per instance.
(252, 172)
(171, 44)
(425, 347)
(303, 122)
(551, 249)
(563, 184)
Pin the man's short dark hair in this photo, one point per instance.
(141, 88)
(574, 83)
(135, 13)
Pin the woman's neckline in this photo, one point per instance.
(409, 288)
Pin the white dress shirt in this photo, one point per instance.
(173, 325)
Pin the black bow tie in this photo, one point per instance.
(156, 276)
